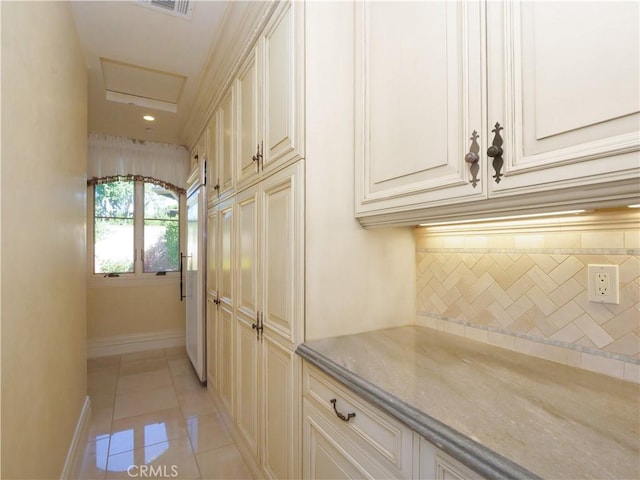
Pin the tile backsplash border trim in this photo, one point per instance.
(612, 364)
(525, 251)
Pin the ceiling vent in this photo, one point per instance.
(178, 8)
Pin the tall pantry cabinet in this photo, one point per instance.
(255, 254)
(287, 261)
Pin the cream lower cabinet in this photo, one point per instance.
(496, 107)
(434, 464)
(220, 302)
(268, 251)
(345, 437)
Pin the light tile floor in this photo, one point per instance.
(151, 418)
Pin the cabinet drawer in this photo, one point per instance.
(330, 455)
(387, 440)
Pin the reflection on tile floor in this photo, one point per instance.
(151, 418)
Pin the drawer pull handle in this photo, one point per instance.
(342, 417)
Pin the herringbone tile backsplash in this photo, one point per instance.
(524, 287)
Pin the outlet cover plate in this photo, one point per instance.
(614, 290)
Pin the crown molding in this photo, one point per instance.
(242, 24)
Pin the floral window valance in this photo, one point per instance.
(141, 178)
(119, 158)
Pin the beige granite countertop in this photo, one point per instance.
(555, 421)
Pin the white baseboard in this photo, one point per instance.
(135, 342)
(77, 442)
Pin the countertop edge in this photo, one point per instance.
(474, 455)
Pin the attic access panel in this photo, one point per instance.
(142, 86)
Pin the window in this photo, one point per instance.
(136, 228)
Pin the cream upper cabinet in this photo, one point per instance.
(563, 81)
(221, 136)
(283, 77)
(418, 101)
(213, 160)
(269, 99)
(247, 90)
(541, 99)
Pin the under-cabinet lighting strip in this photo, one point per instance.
(508, 217)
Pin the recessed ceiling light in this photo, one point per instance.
(149, 118)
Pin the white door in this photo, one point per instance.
(195, 288)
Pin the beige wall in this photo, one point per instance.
(523, 286)
(356, 280)
(44, 118)
(117, 311)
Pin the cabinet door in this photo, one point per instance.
(225, 284)
(328, 456)
(213, 262)
(213, 253)
(225, 308)
(212, 343)
(434, 464)
(419, 98)
(283, 83)
(246, 262)
(226, 141)
(247, 383)
(280, 410)
(213, 160)
(247, 110)
(282, 260)
(563, 81)
(225, 359)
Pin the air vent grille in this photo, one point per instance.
(179, 8)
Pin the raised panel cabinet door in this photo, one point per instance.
(563, 82)
(247, 408)
(226, 357)
(246, 262)
(247, 93)
(225, 282)
(419, 100)
(433, 464)
(213, 252)
(226, 140)
(213, 160)
(212, 343)
(283, 84)
(282, 260)
(328, 456)
(213, 262)
(281, 410)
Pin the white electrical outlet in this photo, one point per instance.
(603, 284)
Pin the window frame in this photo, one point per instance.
(138, 277)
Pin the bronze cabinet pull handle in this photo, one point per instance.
(495, 151)
(472, 158)
(342, 417)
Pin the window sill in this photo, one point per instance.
(129, 280)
